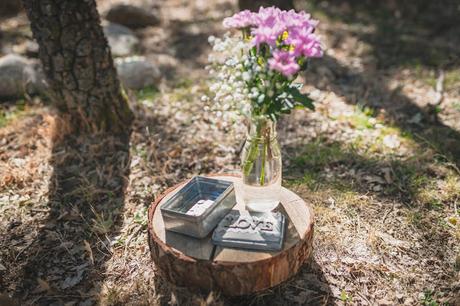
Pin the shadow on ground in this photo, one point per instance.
(360, 88)
(66, 260)
(388, 193)
(400, 33)
(416, 35)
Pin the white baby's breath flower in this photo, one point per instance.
(261, 98)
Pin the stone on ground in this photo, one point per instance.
(18, 76)
(136, 72)
(122, 40)
(132, 16)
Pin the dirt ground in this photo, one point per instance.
(379, 160)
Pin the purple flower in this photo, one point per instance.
(268, 16)
(268, 27)
(284, 62)
(240, 20)
(266, 34)
(281, 31)
(304, 42)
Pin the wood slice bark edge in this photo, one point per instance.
(230, 278)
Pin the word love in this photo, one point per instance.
(244, 223)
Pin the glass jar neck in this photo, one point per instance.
(262, 129)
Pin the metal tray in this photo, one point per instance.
(198, 206)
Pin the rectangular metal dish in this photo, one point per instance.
(198, 206)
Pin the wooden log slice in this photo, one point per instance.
(198, 264)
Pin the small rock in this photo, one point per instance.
(13, 75)
(132, 16)
(31, 48)
(122, 40)
(136, 72)
(35, 80)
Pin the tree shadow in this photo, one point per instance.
(401, 33)
(66, 261)
(420, 34)
(332, 169)
(359, 88)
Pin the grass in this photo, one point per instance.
(452, 79)
(428, 299)
(149, 93)
(9, 114)
(422, 178)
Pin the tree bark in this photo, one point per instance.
(254, 5)
(78, 65)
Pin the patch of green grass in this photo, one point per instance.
(184, 83)
(103, 221)
(345, 297)
(140, 217)
(316, 155)
(452, 79)
(12, 113)
(140, 151)
(428, 299)
(361, 119)
(415, 218)
(147, 93)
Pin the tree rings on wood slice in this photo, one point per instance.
(198, 264)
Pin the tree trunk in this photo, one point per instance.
(78, 65)
(254, 5)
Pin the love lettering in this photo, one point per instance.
(250, 223)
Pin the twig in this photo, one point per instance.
(387, 213)
(363, 297)
(25, 248)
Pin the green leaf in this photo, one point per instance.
(301, 98)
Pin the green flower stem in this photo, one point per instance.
(253, 152)
(262, 170)
(250, 159)
(262, 134)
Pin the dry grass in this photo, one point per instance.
(381, 172)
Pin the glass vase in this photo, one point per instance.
(261, 166)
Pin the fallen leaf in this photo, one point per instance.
(42, 286)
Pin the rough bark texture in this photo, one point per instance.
(78, 64)
(234, 276)
(254, 5)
